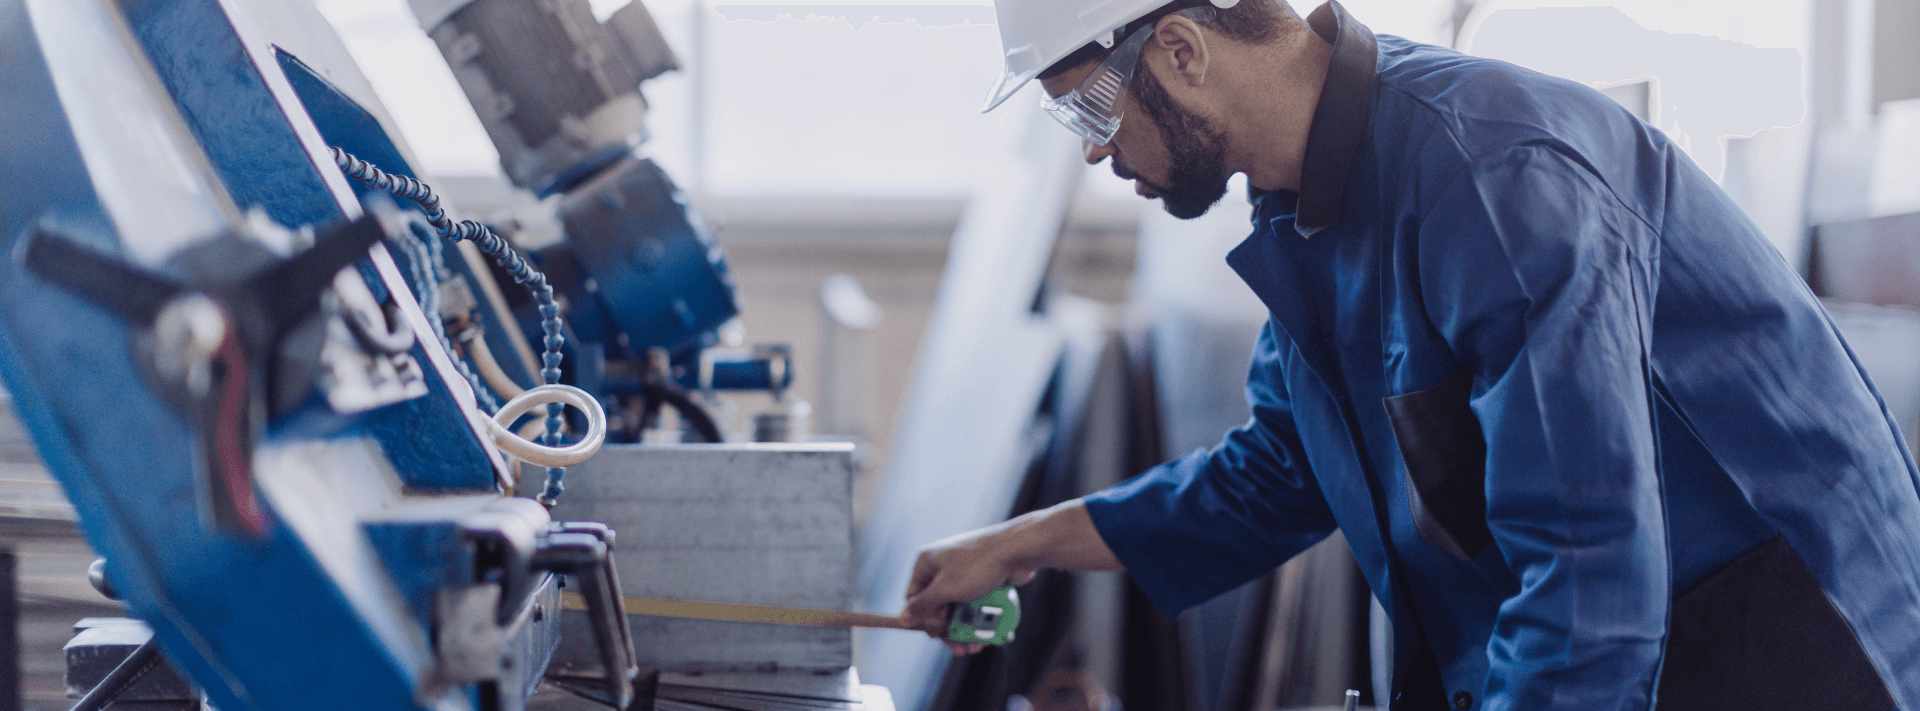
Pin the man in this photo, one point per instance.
(1592, 441)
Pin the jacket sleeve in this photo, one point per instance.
(1201, 525)
(1553, 318)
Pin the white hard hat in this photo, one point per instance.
(1036, 33)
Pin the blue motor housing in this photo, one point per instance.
(645, 271)
(765, 367)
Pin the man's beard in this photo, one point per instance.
(1196, 151)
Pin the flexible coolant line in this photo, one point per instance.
(504, 255)
(543, 455)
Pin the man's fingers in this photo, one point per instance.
(953, 571)
(914, 621)
(923, 572)
(926, 608)
(944, 590)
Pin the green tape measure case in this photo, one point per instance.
(988, 620)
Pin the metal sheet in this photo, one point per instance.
(763, 524)
(772, 691)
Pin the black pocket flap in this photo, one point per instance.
(1446, 458)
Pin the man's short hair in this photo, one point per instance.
(1249, 21)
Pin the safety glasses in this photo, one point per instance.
(1092, 109)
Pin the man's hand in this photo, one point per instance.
(965, 567)
(958, 570)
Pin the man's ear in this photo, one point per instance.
(1181, 49)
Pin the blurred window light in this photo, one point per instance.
(413, 81)
(1703, 71)
(881, 99)
(1426, 21)
(603, 9)
(870, 100)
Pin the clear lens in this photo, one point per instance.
(1087, 119)
(1092, 109)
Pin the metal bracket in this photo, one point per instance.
(583, 551)
(208, 347)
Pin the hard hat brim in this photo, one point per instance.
(1033, 59)
(1010, 84)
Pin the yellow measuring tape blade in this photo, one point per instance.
(733, 612)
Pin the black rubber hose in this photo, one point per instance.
(696, 416)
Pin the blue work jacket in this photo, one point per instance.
(1591, 439)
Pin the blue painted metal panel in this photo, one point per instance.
(418, 555)
(216, 602)
(248, 139)
(347, 125)
(197, 52)
(322, 609)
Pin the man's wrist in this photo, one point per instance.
(1036, 540)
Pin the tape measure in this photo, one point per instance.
(991, 619)
(988, 620)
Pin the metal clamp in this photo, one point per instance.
(583, 551)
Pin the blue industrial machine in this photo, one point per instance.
(231, 348)
(289, 395)
(647, 285)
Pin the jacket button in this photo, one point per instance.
(1462, 701)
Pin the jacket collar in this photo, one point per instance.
(1339, 120)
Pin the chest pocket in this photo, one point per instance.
(1446, 460)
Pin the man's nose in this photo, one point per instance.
(1095, 152)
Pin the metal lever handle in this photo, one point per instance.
(584, 556)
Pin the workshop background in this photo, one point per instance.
(998, 327)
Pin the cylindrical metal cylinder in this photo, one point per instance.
(772, 427)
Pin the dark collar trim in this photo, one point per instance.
(1340, 120)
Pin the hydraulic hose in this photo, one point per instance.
(496, 377)
(696, 416)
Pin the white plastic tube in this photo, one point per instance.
(542, 455)
(490, 368)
